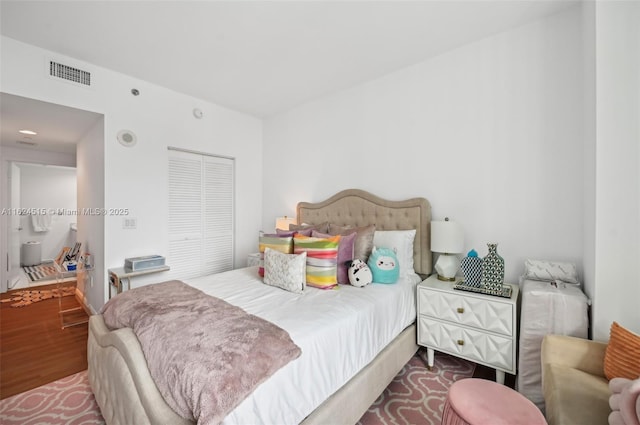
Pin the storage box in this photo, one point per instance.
(143, 263)
(546, 309)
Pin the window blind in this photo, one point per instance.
(201, 214)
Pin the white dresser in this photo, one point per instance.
(480, 328)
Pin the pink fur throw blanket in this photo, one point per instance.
(204, 354)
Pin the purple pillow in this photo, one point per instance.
(345, 254)
(322, 227)
(303, 232)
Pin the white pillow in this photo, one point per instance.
(551, 270)
(286, 271)
(402, 242)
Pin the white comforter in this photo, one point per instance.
(339, 331)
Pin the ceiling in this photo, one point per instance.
(260, 57)
(59, 128)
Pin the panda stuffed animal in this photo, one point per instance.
(359, 273)
(384, 266)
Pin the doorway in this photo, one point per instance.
(42, 221)
(51, 143)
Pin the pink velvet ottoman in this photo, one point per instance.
(476, 401)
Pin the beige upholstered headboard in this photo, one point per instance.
(354, 207)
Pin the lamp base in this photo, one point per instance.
(447, 267)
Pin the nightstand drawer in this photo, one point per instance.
(493, 350)
(480, 313)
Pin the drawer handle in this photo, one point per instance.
(460, 310)
(461, 342)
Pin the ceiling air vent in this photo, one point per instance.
(69, 73)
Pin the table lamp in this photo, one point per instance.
(283, 223)
(448, 240)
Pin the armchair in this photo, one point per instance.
(576, 391)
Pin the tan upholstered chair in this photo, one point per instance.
(576, 391)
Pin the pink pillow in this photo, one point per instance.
(624, 401)
(345, 254)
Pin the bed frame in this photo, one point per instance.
(118, 371)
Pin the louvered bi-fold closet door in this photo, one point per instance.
(201, 214)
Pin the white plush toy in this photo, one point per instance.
(359, 273)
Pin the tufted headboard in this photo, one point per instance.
(355, 207)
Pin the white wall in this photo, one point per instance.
(490, 133)
(589, 184)
(617, 216)
(91, 229)
(37, 156)
(49, 187)
(136, 178)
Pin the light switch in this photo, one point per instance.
(129, 223)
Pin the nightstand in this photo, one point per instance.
(476, 327)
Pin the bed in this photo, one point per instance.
(126, 392)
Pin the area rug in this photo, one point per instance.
(28, 297)
(417, 395)
(66, 401)
(40, 272)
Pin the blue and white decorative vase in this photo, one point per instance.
(471, 266)
(493, 269)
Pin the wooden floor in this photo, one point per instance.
(34, 349)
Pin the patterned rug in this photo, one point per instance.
(66, 401)
(41, 272)
(416, 396)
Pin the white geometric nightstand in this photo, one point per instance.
(477, 327)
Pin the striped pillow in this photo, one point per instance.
(282, 244)
(322, 259)
(622, 354)
(345, 254)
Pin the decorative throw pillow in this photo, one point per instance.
(624, 401)
(384, 265)
(322, 256)
(282, 244)
(364, 238)
(286, 271)
(345, 254)
(322, 227)
(305, 232)
(402, 242)
(622, 354)
(549, 271)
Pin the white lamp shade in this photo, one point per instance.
(446, 237)
(283, 223)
